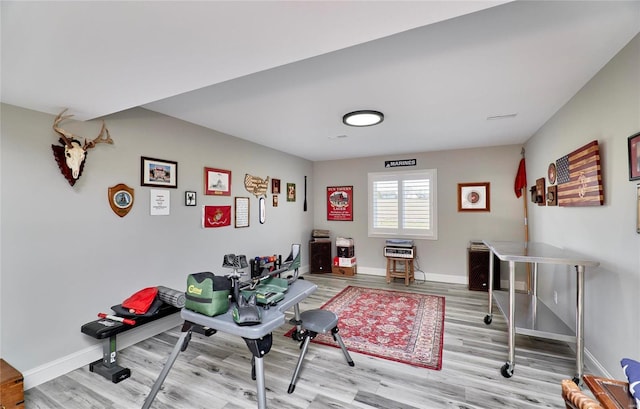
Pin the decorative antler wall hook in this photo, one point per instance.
(71, 156)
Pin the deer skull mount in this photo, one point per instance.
(71, 156)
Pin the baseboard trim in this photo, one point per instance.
(441, 278)
(66, 364)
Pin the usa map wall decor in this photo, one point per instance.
(579, 177)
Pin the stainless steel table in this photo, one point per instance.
(257, 337)
(524, 312)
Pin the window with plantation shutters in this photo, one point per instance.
(402, 204)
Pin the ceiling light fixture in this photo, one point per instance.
(363, 118)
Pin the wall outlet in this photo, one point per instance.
(555, 297)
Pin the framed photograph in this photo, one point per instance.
(242, 212)
(275, 201)
(474, 197)
(291, 192)
(275, 186)
(552, 195)
(340, 203)
(217, 182)
(540, 192)
(634, 156)
(158, 172)
(189, 198)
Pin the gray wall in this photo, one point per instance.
(444, 259)
(66, 256)
(607, 109)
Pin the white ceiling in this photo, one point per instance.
(282, 74)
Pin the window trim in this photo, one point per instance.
(432, 175)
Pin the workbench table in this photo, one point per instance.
(257, 337)
(524, 312)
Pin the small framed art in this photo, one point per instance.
(291, 192)
(217, 182)
(158, 172)
(190, 198)
(242, 212)
(633, 143)
(275, 186)
(474, 197)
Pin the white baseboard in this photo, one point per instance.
(441, 278)
(66, 364)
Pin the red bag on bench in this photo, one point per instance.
(141, 301)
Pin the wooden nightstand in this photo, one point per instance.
(11, 387)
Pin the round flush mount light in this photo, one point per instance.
(363, 118)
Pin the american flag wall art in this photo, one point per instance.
(580, 178)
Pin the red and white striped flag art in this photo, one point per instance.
(580, 178)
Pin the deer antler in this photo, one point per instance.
(67, 137)
(91, 144)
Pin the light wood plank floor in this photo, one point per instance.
(214, 373)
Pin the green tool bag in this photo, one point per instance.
(207, 293)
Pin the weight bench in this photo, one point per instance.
(107, 330)
(314, 322)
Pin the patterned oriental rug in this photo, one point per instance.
(395, 325)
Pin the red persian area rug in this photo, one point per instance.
(395, 325)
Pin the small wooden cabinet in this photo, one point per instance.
(320, 256)
(479, 270)
(11, 387)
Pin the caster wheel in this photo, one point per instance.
(576, 380)
(507, 370)
(487, 319)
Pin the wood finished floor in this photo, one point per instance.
(214, 373)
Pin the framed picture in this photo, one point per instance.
(474, 197)
(189, 198)
(275, 186)
(217, 182)
(275, 201)
(340, 203)
(242, 212)
(158, 172)
(552, 195)
(634, 156)
(291, 192)
(540, 192)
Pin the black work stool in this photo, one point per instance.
(316, 322)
